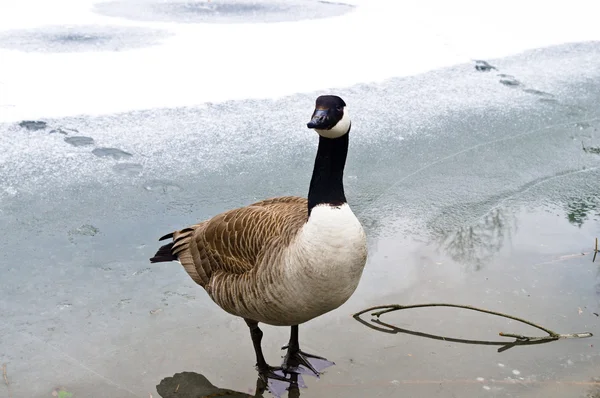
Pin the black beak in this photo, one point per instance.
(319, 119)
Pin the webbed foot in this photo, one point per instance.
(300, 362)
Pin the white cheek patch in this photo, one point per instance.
(339, 129)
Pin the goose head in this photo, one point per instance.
(330, 118)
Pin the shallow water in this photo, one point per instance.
(472, 192)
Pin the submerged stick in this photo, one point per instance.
(543, 338)
(519, 339)
(466, 307)
(5, 376)
(595, 251)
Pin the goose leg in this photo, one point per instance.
(267, 373)
(257, 335)
(295, 359)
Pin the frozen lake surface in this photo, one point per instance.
(475, 187)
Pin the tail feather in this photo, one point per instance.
(167, 236)
(164, 254)
(179, 250)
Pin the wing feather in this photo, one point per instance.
(235, 241)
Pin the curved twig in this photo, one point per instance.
(466, 307)
(519, 339)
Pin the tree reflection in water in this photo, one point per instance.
(579, 210)
(476, 244)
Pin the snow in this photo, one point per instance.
(199, 63)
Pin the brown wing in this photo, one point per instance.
(235, 241)
(283, 201)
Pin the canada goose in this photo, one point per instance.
(286, 260)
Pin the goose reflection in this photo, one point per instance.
(195, 385)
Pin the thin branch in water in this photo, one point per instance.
(467, 307)
(5, 376)
(595, 251)
(519, 339)
(504, 345)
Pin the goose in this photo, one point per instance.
(286, 260)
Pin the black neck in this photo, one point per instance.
(326, 185)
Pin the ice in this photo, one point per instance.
(237, 135)
(224, 11)
(86, 230)
(79, 38)
(161, 186)
(216, 62)
(79, 140)
(114, 153)
(63, 130)
(484, 66)
(33, 125)
(509, 80)
(132, 169)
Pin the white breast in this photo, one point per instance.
(325, 262)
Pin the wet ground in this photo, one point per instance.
(472, 192)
